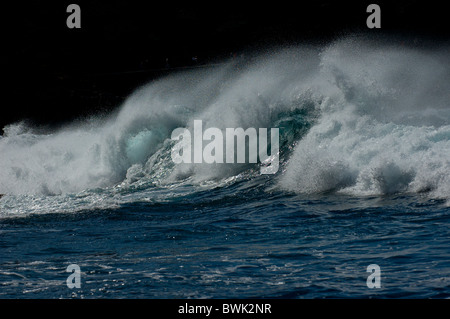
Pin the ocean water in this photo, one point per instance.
(364, 179)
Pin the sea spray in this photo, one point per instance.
(375, 133)
(355, 117)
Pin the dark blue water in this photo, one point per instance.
(237, 241)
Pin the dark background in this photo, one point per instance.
(53, 74)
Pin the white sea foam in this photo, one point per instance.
(381, 125)
(384, 129)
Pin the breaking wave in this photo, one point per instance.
(355, 117)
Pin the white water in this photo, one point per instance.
(384, 125)
(384, 129)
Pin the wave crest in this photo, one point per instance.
(355, 117)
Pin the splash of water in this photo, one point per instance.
(355, 117)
